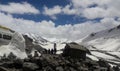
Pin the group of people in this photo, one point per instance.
(50, 51)
(45, 51)
(116, 68)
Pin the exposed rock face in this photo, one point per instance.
(30, 45)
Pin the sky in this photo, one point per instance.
(60, 19)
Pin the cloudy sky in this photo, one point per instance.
(70, 19)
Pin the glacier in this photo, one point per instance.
(15, 45)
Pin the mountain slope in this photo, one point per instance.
(39, 43)
(104, 44)
(105, 40)
(37, 39)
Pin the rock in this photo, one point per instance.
(46, 62)
(18, 63)
(27, 66)
(59, 68)
(48, 68)
(3, 69)
(37, 61)
(72, 69)
(66, 68)
(54, 63)
(11, 56)
(77, 64)
(8, 64)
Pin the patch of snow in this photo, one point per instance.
(15, 45)
(102, 55)
(18, 41)
(108, 40)
(92, 57)
(6, 49)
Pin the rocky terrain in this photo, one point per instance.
(46, 62)
(52, 62)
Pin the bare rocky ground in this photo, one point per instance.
(51, 62)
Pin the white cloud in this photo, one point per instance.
(48, 29)
(108, 22)
(19, 8)
(56, 10)
(82, 3)
(95, 12)
(67, 10)
(52, 11)
(103, 9)
(87, 3)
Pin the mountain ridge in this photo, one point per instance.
(104, 44)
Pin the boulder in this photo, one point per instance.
(7, 64)
(59, 68)
(27, 66)
(48, 68)
(3, 69)
(18, 63)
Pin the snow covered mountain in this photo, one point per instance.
(104, 44)
(105, 40)
(47, 43)
(37, 39)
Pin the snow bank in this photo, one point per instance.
(16, 45)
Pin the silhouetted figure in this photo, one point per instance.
(109, 68)
(55, 49)
(36, 54)
(116, 68)
(45, 51)
(30, 56)
(48, 51)
(11, 56)
(52, 51)
(4, 56)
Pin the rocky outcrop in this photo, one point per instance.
(51, 62)
(31, 46)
